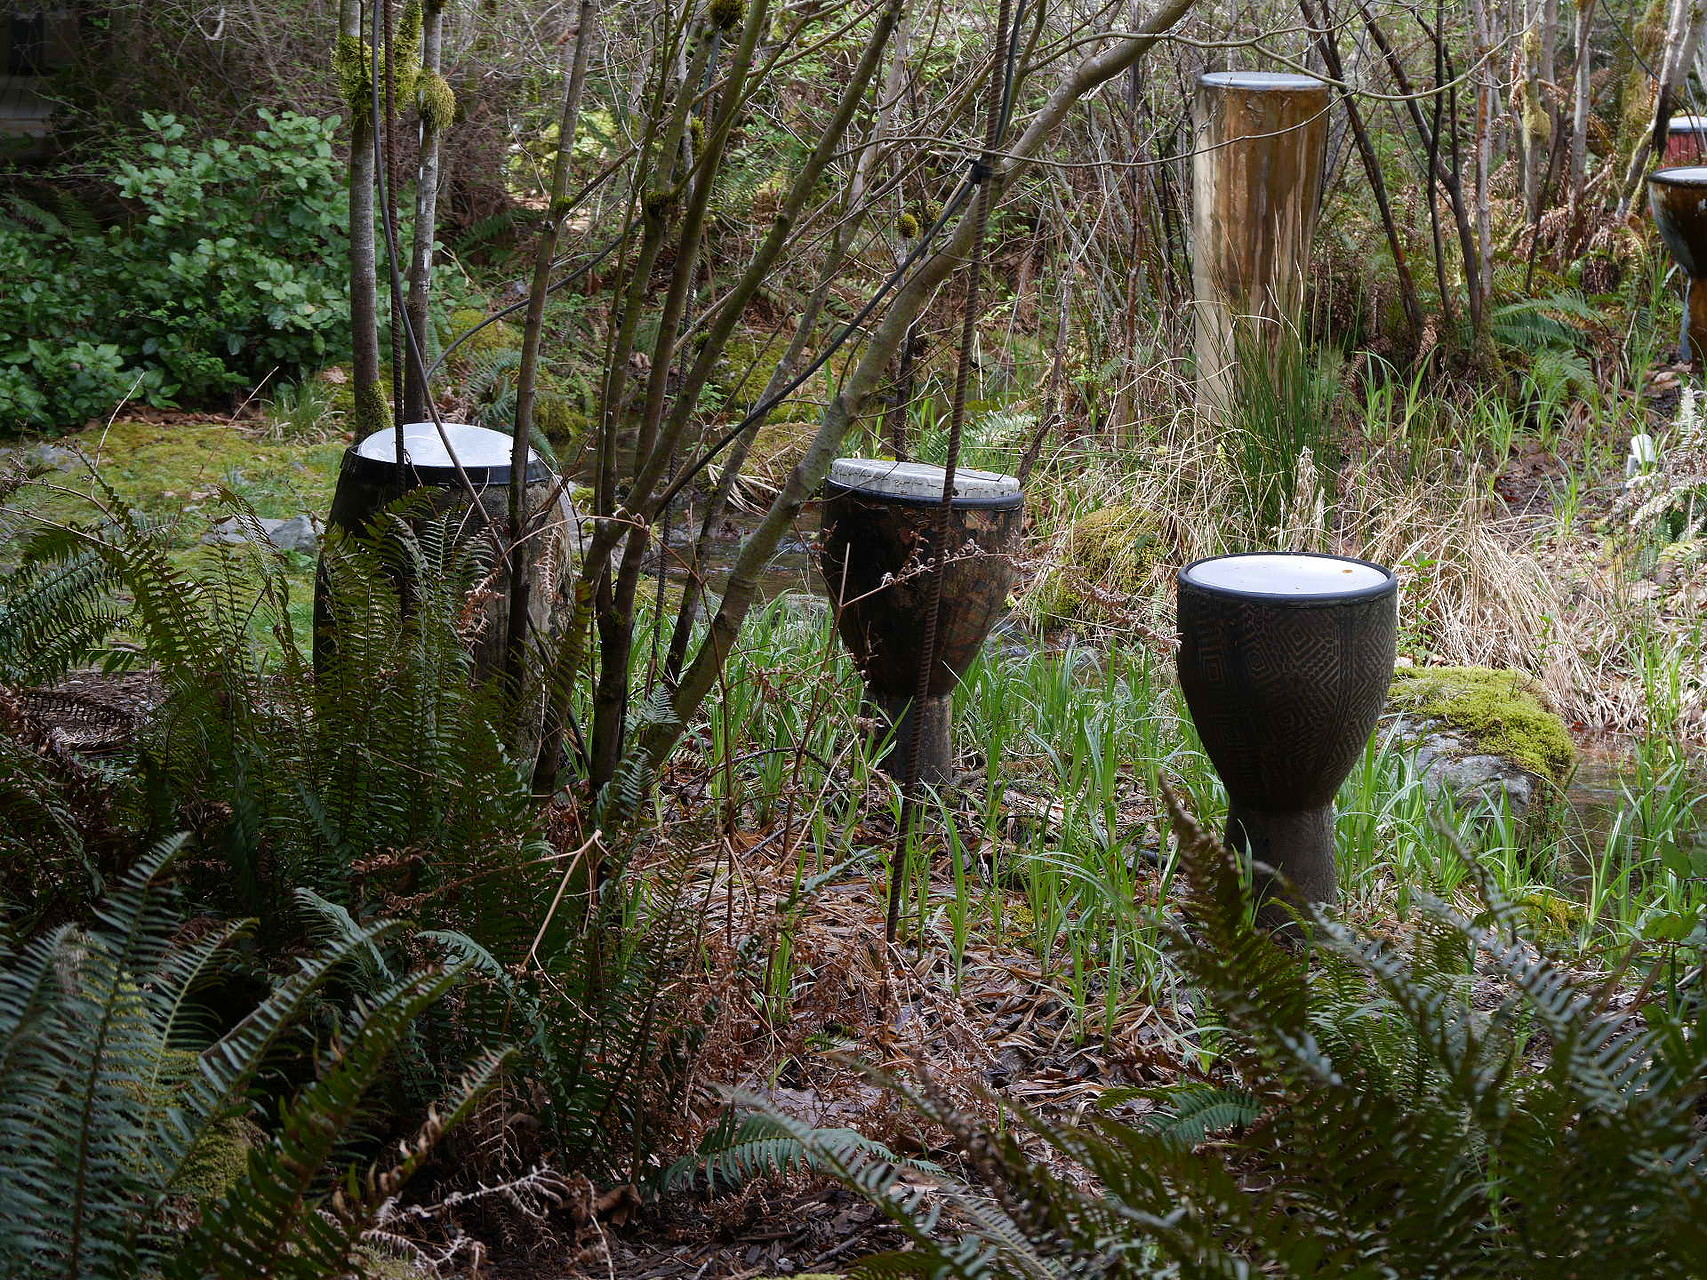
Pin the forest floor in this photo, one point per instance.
(978, 1016)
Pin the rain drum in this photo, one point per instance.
(1285, 660)
(1686, 140)
(369, 479)
(1678, 197)
(881, 523)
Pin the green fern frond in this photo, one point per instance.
(736, 1151)
(270, 1223)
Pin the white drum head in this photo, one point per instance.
(1682, 175)
(921, 481)
(1290, 575)
(1260, 80)
(475, 447)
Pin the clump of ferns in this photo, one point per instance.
(386, 773)
(380, 784)
(134, 1139)
(1447, 1102)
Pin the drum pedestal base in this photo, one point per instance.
(936, 737)
(1299, 844)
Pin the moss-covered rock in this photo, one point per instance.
(1499, 713)
(562, 423)
(746, 365)
(219, 1159)
(498, 336)
(1105, 560)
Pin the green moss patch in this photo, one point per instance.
(171, 469)
(174, 471)
(1504, 713)
(1107, 558)
(563, 424)
(501, 336)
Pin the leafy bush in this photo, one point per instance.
(1447, 1102)
(229, 263)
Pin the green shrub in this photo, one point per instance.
(231, 262)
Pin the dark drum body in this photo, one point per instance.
(881, 524)
(1678, 198)
(1285, 662)
(369, 480)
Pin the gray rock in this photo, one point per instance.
(41, 457)
(56, 456)
(225, 533)
(1011, 637)
(1446, 760)
(299, 533)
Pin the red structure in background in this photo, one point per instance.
(1686, 140)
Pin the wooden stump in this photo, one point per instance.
(1258, 152)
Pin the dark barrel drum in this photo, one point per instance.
(880, 528)
(1285, 661)
(1678, 197)
(1686, 140)
(369, 479)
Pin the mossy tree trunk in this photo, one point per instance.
(436, 108)
(355, 80)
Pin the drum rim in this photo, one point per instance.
(1666, 177)
(1389, 585)
(973, 502)
(1261, 81)
(443, 477)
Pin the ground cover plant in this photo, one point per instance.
(687, 985)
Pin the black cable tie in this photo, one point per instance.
(979, 172)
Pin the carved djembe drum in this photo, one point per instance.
(1285, 660)
(1678, 197)
(881, 532)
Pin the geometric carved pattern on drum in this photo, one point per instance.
(1284, 693)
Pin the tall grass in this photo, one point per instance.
(1057, 848)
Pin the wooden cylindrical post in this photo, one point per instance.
(1257, 158)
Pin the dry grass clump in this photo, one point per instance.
(1586, 615)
